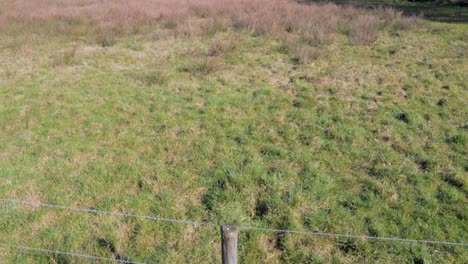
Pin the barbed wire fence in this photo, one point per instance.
(191, 222)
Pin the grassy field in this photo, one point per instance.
(359, 132)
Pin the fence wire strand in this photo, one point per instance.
(96, 211)
(354, 236)
(79, 255)
(180, 221)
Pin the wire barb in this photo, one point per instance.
(79, 255)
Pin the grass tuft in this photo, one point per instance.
(204, 67)
(65, 58)
(364, 29)
(221, 46)
(152, 78)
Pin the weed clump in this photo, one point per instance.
(364, 29)
(203, 67)
(208, 66)
(152, 78)
(106, 41)
(219, 47)
(65, 58)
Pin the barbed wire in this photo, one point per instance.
(179, 221)
(354, 236)
(96, 211)
(79, 255)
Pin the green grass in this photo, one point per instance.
(363, 140)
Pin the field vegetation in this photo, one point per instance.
(268, 113)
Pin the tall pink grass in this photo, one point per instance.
(314, 23)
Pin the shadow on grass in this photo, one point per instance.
(442, 13)
(436, 12)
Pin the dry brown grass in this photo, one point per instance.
(221, 46)
(263, 16)
(364, 29)
(310, 26)
(66, 57)
(301, 53)
(208, 66)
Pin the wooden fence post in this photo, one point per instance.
(229, 234)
